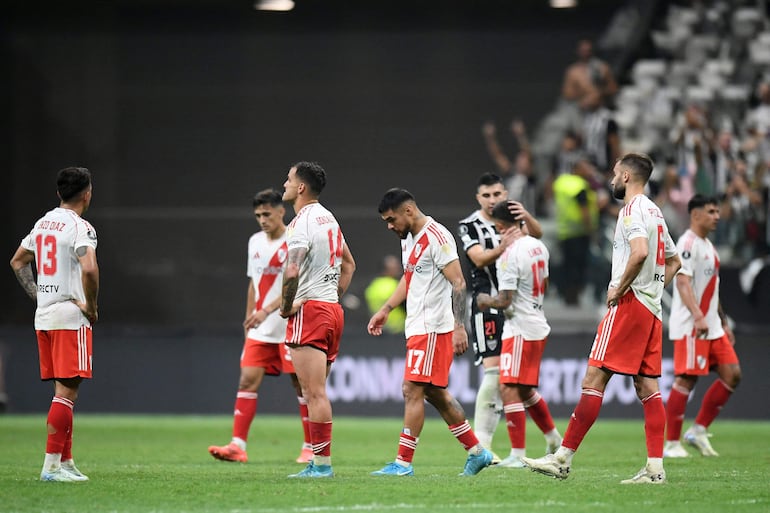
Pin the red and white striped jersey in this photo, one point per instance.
(316, 229)
(523, 268)
(55, 239)
(265, 268)
(428, 293)
(700, 261)
(640, 217)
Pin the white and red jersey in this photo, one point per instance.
(265, 268)
(700, 261)
(428, 293)
(55, 239)
(316, 229)
(640, 217)
(523, 268)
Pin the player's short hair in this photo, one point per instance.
(501, 213)
(267, 197)
(312, 175)
(393, 199)
(700, 201)
(640, 165)
(71, 181)
(489, 179)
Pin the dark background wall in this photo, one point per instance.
(184, 109)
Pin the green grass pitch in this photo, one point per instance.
(159, 464)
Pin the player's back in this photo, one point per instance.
(316, 229)
(524, 268)
(55, 239)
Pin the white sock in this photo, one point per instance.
(518, 452)
(655, 464)
(52, 461)
(488, 407)
(240, 442)
(564, 454)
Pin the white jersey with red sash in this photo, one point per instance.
(700, 262)
(428, 293)
(265, 268)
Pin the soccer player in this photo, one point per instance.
(434, 289)
(318, 271)
(63, 247)
(629, 337)
(703, 340)
(483, 245)
(264, 351)
(522, 273)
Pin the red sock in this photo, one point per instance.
(406, 446)
(59, 424)
(654, 424)
(66, 452)
(516, 420)
(675, 407)
(321, 436)
(245, 409)
(305, 418)
(464, 434)
(716, 397)
(539, 413)
(585, 414)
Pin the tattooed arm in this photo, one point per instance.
(454, 275)
(291, 280)
(20, 263)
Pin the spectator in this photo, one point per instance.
(589, 80)
(381, 288)
(518, 175)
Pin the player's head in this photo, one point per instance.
(704, 214)
(504, 218)
(631, 169)
(399, 210)
(489, 192)
(269, 210)
(306, 179)
(73, 185)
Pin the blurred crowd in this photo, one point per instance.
(704, 150)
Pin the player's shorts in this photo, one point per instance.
(429, 358)
(487, 332)
(629, 340)
(65, 353)
(520, 361)
(317, 324)
(696, 356)
(275, 358)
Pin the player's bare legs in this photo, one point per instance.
(306, 455)
(312, 370)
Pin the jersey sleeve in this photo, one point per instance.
(468, 235)
(671, 248)
(687, 256)
(634, 225)
(28, 242)
(445, 251)
(507, 271)
(300, 235)
(85, 236)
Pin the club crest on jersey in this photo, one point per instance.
(701, 362)
(417, 250)
(282, 255)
